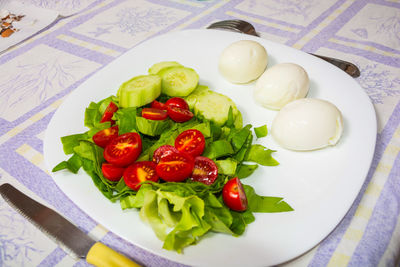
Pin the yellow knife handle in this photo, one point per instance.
(102, 256)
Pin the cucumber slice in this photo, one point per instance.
(192, 98)
(139, 91)
(162, 65)
(178, 81)
(215, 107)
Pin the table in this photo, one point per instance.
(37, 75)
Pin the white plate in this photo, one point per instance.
(320, 185)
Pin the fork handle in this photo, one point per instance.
(348, 67)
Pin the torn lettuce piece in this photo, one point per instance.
(126, 120)
(152, 127)
(217, 149)
(73, 164)
(261, 155)
(71, 141)
(226, 166)
(185, 215)
(259, 203)
(245, 170)
(261, 131)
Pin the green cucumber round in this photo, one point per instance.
(178, 81)
(156, 68)
(139, 91)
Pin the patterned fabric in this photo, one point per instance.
(36, 76)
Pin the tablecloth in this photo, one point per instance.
(37, 75)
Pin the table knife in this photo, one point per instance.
(63, 231)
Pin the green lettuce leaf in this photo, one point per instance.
(238, 137)
(261, 131)
(126, 120)
(152, 127)
(261, 155)
(73, 164)
(259, 203)
(71, 141)
(245, 170)
(226, 166)
(217, 149)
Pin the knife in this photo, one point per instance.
(64, 232)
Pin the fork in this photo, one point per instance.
(242, 26)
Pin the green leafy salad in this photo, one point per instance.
(176, 151)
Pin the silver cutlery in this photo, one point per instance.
(64, 232)
(242, 26)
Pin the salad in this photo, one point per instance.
(176, 151)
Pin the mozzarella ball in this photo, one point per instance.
(243, 61)
(307, 124)
(281, 84)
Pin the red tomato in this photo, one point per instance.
(191, 141)
(175, 167)
(103, 137)
(163, 150)
(109, 112)
(124, 149)
(205, 170)
(139, 172)
(154, 114)
(177, 102)
(112, 172)
(179, 114)
(234, 196)
(159, 105)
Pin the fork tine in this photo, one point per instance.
(225, 23)
(236, 25)
(226, 28)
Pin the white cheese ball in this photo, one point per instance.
(281, 84)
(243, 61)
(307, 124)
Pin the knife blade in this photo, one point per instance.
(62, 231)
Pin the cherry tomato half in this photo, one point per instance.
(175, 167)
(177, 102)
(162, 151)
(159, 105)
(205, 170)
(191, 141)
(112, 172)
(179, 114)
(234, 196)
(109, 112)
(124, 149)
(139, 172)
(103, 137)
(154, 114)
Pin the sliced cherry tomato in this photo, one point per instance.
(179, 114)
(112, 172)
(162, 151)
(124, 149)
(234, 196)
(175, 167)
(139, 172)
(177, 102)
(109, 112)
(205, 170)
(103, 137)
(191, 141)
(154, 114)
(159, 105)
